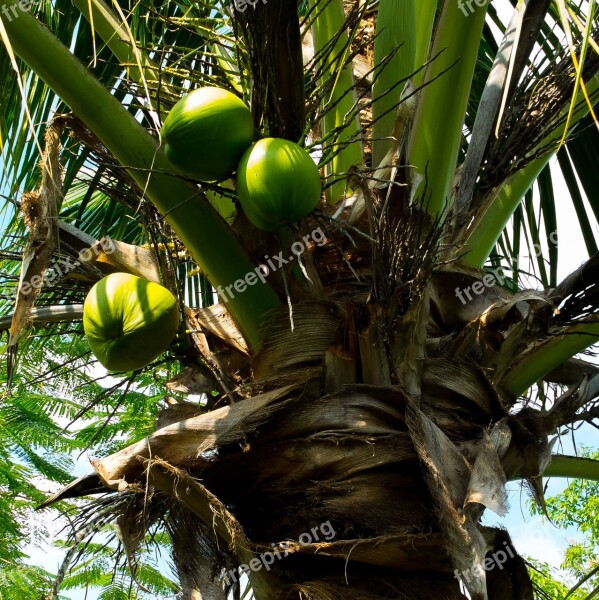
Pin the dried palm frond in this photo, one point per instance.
(536, 109)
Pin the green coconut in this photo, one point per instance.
(278, 183)
(206, 133)
(129, 321)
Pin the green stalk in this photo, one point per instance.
(395, 28)
(426, 11)
(207, 237)
(328, 21)
(548, 355)
(503, 201)
(406, 25)
(500, 207)
(574, 467)
(403, 28)
(437, 132)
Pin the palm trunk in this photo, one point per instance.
(353, 490)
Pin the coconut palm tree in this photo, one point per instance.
(365, 403)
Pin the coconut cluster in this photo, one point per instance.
(209, 134)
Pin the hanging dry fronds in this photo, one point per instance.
(40, 210)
